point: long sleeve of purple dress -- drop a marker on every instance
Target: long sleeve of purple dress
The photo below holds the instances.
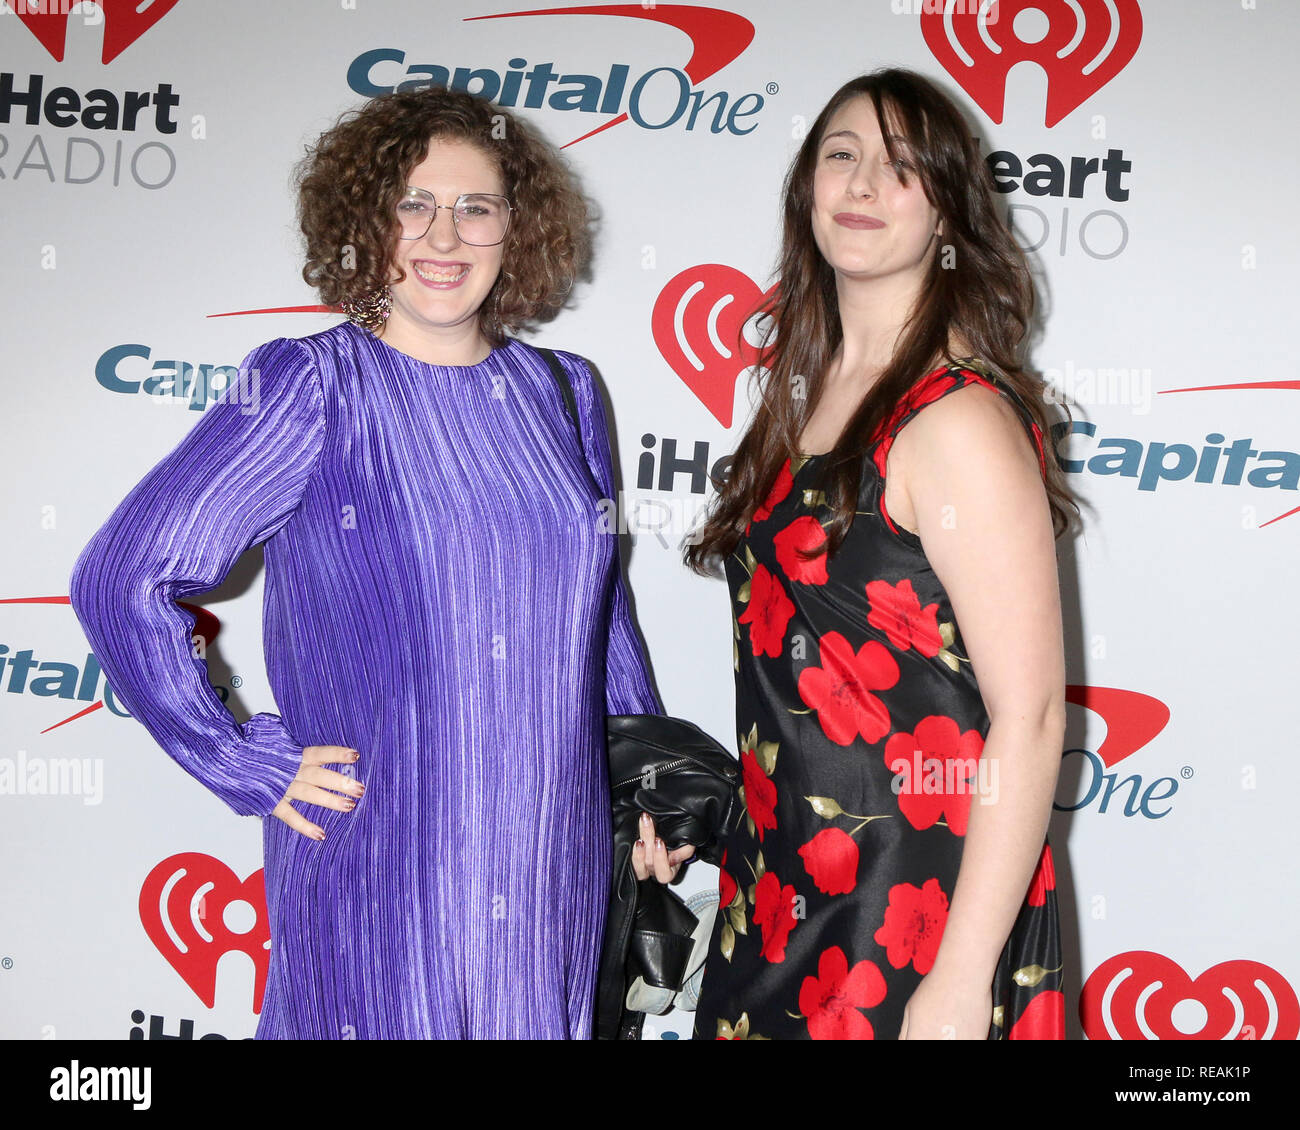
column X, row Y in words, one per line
column 442, row 595
column 231, row 483
column 627, row 679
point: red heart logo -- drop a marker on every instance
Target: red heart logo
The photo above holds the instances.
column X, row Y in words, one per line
column 125, row 21
column 1086, row 44
column 182, row 907
column 1133, row 996
column 698, row 324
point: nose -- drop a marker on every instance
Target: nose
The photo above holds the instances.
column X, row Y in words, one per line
column 442, row 232
column 863, row 180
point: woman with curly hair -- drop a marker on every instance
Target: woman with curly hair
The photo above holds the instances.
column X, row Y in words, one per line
column 445, row 617
column 887, row 531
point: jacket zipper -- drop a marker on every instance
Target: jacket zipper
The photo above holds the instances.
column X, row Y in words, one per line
column 662, row 769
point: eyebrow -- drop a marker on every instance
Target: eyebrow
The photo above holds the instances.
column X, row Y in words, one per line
column 894, row 137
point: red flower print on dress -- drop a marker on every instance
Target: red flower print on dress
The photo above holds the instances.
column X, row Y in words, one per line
column 726, row 885
column 831, row 858
column 760, row 793
column 935, row 767
column 830, row 1001
column 914, row 922
column 1043, row 1018
column 896, row 610
column 1044, row 879
column 774, row 914
column 926, row 391
column 804, row 533
column 840, row 689
column 781, row 486
column 768, row 614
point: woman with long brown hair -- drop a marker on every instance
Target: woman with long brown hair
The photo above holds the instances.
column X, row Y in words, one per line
column 887, row 529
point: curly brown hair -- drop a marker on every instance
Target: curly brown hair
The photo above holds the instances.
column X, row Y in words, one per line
column 350, row 180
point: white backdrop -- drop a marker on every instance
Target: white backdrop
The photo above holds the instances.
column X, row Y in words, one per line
column 1168, row 285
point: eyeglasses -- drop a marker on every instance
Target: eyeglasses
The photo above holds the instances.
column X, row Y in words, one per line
column 480, row 218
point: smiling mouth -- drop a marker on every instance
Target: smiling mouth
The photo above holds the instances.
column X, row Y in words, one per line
column 858, row 220
column 441, row 274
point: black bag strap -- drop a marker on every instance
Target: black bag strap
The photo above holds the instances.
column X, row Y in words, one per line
column 566, row 386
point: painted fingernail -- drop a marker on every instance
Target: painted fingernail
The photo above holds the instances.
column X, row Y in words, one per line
column 640, row 844
column 659, row 844
column 351, row 804
column 319, row 834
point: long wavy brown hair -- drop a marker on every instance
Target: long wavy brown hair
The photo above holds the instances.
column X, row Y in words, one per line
column 977, row 290
column 351, row 178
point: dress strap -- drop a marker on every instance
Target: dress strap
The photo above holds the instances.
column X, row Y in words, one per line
column 958, row 374
column 936, row 385
column 977, row 372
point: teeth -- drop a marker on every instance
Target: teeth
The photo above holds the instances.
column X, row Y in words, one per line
column 442, row 275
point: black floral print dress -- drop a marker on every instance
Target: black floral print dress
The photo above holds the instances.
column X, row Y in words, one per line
column 861, row 728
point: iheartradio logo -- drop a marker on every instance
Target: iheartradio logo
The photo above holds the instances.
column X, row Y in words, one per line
column 704, row 328
column 1146, row 996
column 1080, row 45
column 185, row 904
column 124, row 22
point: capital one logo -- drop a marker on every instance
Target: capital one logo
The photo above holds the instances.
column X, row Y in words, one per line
column 703, row 327
column 1079, row 44
column 22, row 671
column 1143, row 995
column 191, row 906
column 124, row 21
column 1132, row 720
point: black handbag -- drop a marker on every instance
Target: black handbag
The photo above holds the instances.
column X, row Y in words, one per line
column 689, row 784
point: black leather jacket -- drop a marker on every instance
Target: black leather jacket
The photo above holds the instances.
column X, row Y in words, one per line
column 689, row 784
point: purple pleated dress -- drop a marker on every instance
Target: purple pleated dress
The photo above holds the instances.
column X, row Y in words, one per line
column 442, row 593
